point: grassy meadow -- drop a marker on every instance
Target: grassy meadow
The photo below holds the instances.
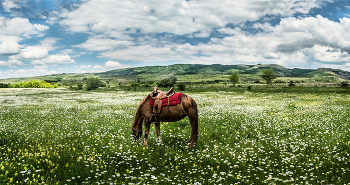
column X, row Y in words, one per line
column 58, row 136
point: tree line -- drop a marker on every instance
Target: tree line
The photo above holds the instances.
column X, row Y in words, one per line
column 29, row 84
column 268, row 76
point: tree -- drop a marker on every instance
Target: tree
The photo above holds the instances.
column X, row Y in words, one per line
column 344, row 84
column 92, row 83
column 80, row 85
column 173, row 79
column 166, row 82
column 268, row 75
column 181, row 86
column 234, row 79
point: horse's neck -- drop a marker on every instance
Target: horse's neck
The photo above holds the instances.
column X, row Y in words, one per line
column 138, row 115
column 138, row 118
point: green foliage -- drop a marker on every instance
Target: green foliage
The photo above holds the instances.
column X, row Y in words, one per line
column 80, row 85
column 234, row 78
column 167, row 82
column 291, row 84
column 33, row 84
column 181, row 86
column 279, row 81
column 3, row 85
column 344, row 84
column 268, row 75
column 92, row 83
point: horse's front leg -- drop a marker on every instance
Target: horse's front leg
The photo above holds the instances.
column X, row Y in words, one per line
column 157, row 125
column 147, row 126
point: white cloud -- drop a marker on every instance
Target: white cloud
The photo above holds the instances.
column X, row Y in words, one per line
column 54, row 60
column 293, row 42
column 115, row 64
column 101, row 44
column 98, row 67
column 36, row 52
column 20, row 27
column 49, row 43
column 329, row 54
column 229, row 31
column 178, row 17
column 9, row 47
column 8, row 5
column 33, row 52
column 35, row 71
column 11, row 63
column 85, row 66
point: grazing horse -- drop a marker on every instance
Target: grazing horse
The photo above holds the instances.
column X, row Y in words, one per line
column 170, row 113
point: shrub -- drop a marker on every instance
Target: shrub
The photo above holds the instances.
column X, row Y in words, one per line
column 344, row 84
column 166, row 82
column 2, row 85
column 279, row 81
column 92, row 83
column 181, row 86
column 80, row 86
column 291, row 84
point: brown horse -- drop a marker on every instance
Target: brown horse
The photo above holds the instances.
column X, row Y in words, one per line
column 187, row 107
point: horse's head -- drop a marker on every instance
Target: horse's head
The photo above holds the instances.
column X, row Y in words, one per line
column 136, row 133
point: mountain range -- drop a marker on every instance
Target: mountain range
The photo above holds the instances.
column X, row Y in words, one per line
column 198, row 73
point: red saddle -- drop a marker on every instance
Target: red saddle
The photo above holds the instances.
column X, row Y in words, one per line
column 174, row 100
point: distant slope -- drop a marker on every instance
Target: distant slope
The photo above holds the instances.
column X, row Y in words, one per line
column 195, row 73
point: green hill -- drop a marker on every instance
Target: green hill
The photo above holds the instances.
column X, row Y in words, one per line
column 198, row 73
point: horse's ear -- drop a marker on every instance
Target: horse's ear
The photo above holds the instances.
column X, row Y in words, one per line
column 132, row 122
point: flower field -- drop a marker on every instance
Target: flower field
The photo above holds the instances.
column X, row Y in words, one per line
column 57, row 136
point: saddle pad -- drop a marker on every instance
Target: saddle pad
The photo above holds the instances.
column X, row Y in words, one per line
column 174, row 100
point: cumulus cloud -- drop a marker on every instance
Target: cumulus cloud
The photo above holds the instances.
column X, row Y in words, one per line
column 35, row 71
column 14, row 30
column 98, row 67
column 178, row 17
column 11, row 63
column 54, row 60
column 9, row 47
column 34, row 52
column 8, row 5
column 101, row 44
column 20, row 27
column 115, row 64
column 293, row 42
column 85, row 66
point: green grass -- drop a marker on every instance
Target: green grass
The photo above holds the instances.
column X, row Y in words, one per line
column 57, row 136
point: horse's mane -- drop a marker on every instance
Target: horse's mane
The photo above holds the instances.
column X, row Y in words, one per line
column 142, row 102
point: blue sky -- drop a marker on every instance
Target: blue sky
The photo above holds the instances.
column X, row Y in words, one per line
column 42, row 37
